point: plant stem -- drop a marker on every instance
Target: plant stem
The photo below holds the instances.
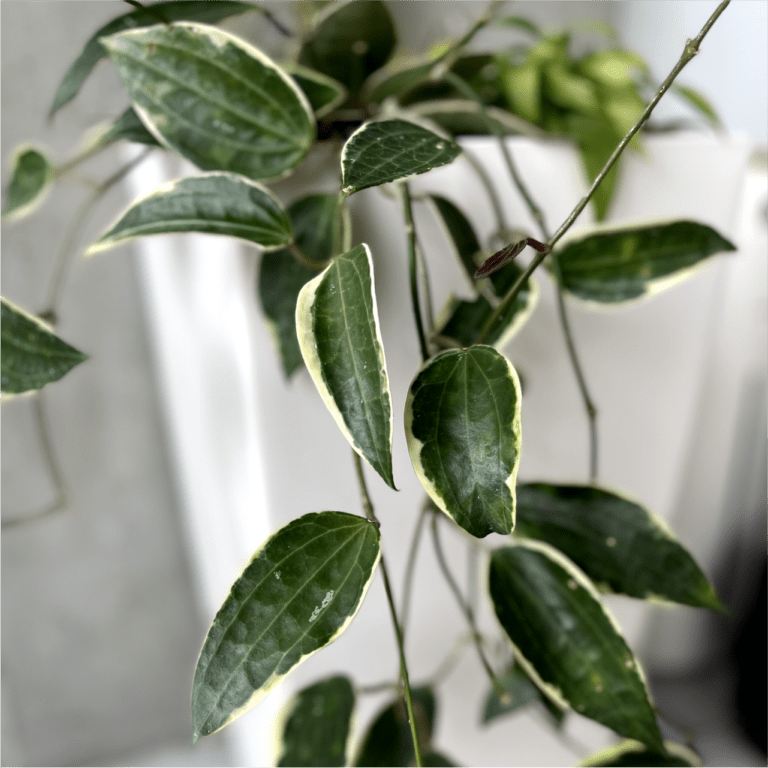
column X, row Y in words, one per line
column 493, row 195
column 412, row 259
column 409, row 569
column 301, row 258
column 371, row 515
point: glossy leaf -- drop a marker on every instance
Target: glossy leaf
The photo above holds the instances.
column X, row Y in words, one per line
column 616, row 542
column 698, row 102
column 632, row 753
column 350, row 41
column 175, row 10
column 300, row 591
column 388, row 741
column 323, row 93
column 338, row 329
column 128, row 127
column 317, row 727
column 32, row 356
column 566, row 640
column 388, row 150
column 621, row 264
column 214, row 99
column 281, row 277
column 462, row 425
column 30, row 179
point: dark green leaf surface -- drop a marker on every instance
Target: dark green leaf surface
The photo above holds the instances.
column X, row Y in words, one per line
column 522, row 692
column 621, row 264
column 698, row 102
column 338, row 329
column 323, row 93
column 214, row 99
column 615, row 541
column 388, row 741
column 633, row 753
column 388, row 150
column 435, row 760
column 281, row 277
column 30, row 177
column 566, row 640
column 462, row 425
column 460, row 231
column 350, row 41
column 298, row 594
column 128, row 127
column 32, row 356
column 317, row 727
column 213, row 203
column 175, row 10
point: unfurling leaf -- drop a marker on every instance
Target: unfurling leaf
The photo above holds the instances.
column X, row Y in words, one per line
column 298, row 594
column 566, row 640
column 462, row 425
column 388, row 150
column 30, row 180
column 213, row 98
column 32, row 356
column 338, row 329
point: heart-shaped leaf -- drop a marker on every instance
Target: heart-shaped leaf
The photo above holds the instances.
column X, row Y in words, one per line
column 209, row 11
column 214, row 203
column 30, row 181
column 632, row 753
column 214, row 99
column 566, row 640
column 615, row 541
column 32, row 356
column 388, row 150
column 338, row 329
column 298, row 594
column 462, row 425
column 616, row 265
column 317, row 726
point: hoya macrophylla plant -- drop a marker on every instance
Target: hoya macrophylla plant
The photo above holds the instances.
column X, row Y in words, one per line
column 30, row 181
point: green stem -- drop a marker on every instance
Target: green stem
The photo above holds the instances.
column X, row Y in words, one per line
column 412, row 263
column 371, row 515
column 447, row 58
column 493, row 195
column 410, row 567
column 301, row 258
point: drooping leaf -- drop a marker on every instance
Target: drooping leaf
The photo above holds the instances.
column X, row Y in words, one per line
column 388, row 741
column 317, row 728
column 570, row 90
column 632, row 753
column 387, row 150
column 698, row 102
column 614, row 68
column 521, row 86
column 338, row 329
column 566, row 640
column 175, row 10
column 214, row 99
column 518, row 22
column 615, row 541
column 350, row 41
column 521, row 691
column 462, row 425
column 621, row 264
column 128, row 127
column 32, row 356
column 281, row 277
column 460, row 232
column 30, row 180
column 214, row 203
column 323, row 93
column 300, row 591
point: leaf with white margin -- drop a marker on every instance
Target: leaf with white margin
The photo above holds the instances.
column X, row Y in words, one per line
column 618, row 264
column 212, row 203
column 618, row 543
column 338, row 328
column 299, row 592
column 30, row 181
column 566, row 640
column 318, row 724
column 382, row 151
column 633, row 753
column 128, row 127
column 462, row 426
column 216, row 100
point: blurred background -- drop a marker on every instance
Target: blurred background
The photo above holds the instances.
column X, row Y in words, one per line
column 180, row 449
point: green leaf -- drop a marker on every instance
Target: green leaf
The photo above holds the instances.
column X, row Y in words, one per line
column 350, row 41
column 698, row 102
column 521, row 692
column 128, row 127
column 623, row 110
column 317, row 727
column 388, row 741
column 281, row 277
column 388, row 150
column 214, row 99
column 522, row 88
column 566, row 640
column 615, row 541
column 300, row 591
column 323, row 93
column 175, row 10
column 338, row 329
column 462, row 425
column 569, row 90
column 519, row 22
column 616, row 265
column 633, row 753
column 32, row 356
column 214, row 203
column 30, row 181
column 461, row 117
column 460, row 232
column 614, row 69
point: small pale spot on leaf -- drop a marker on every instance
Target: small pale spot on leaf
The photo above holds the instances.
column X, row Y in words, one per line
column 610, row 541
